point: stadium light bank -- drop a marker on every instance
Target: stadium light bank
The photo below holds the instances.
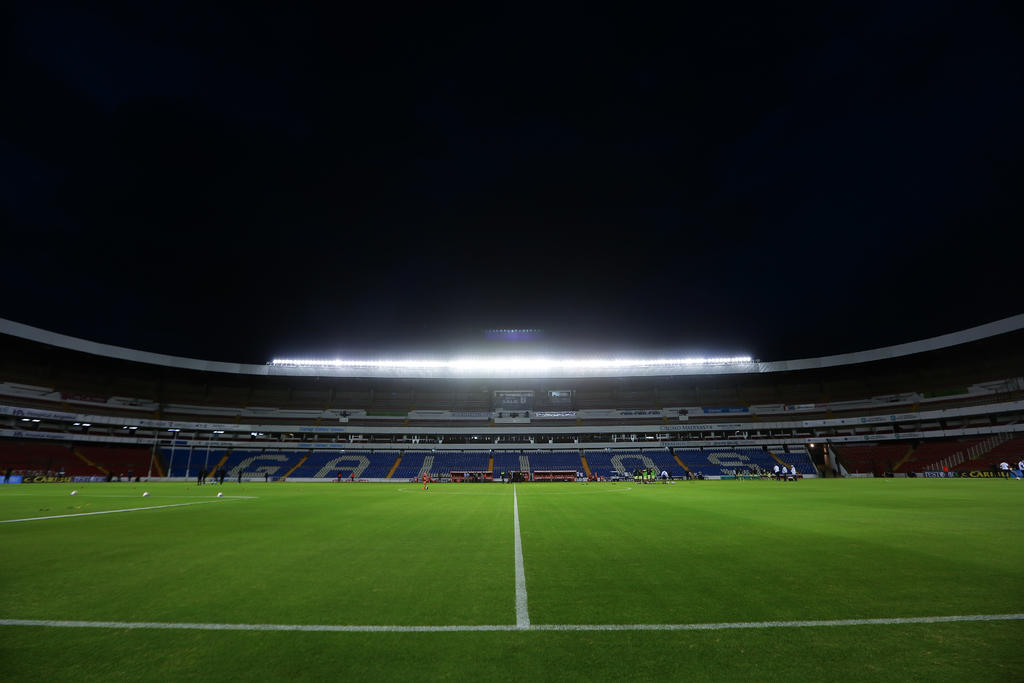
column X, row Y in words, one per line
column 517, row 366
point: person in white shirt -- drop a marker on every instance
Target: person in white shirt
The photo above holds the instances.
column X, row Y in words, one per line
column 792, row 470
column 776, row 471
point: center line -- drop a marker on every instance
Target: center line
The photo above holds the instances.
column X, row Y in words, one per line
column 522, row 612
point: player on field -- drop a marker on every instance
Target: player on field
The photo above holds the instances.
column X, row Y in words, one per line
column 426, row 480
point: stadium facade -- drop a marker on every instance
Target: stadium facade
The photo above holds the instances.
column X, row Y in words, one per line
column 72, row 406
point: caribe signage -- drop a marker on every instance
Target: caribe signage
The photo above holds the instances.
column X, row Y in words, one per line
column 979, row 474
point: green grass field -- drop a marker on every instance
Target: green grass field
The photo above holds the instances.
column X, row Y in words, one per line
column 600, row 555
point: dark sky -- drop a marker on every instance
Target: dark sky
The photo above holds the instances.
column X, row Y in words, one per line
column 239, row 185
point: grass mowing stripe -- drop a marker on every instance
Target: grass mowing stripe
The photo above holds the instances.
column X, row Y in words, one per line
column 509, row 627
column 104, row 512
column 522, row 610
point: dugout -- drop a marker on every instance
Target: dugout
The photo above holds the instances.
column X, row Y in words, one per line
column 554, row 475
column 460, row 477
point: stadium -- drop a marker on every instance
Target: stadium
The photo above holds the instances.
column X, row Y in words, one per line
column 514, row 519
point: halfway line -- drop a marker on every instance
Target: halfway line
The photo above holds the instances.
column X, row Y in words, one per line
column 522, row 612
column 505, row 627
column 104, row 512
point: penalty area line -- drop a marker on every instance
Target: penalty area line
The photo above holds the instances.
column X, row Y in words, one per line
column 508, row 627
column 106, row 512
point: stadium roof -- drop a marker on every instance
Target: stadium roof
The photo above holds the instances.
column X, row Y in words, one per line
column 511, row 368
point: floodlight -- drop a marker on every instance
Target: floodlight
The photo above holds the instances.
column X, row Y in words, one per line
column 517, row 365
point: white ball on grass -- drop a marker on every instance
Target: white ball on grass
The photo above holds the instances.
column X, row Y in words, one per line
column 220, row 494
column 145, row 494
column 75, row 492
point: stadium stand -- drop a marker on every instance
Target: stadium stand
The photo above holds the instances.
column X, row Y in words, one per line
column 1011, row 452
column 510, row 461
column 185, row 463
column 747, row 459
column 929, row 453
column 697, row 462
column 44, row 459
column 446, row 462
column 101, row 414
column 261, row 464
column 793, row 456
column 609, row 464
column 874, row 459
column 665, row 461
column 555, row 461
column 356, row 464
column 118, row 460
column 413, row 465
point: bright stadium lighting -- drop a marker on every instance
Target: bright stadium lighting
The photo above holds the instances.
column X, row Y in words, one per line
column 517, row 365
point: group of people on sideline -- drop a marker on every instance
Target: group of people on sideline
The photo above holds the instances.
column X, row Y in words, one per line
column 784, row 473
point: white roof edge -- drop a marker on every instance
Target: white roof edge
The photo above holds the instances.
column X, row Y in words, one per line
column 16, row 329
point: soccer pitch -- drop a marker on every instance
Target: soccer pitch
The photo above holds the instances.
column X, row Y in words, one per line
column 725, row 580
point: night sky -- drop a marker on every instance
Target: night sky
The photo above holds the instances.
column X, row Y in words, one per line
column 241, row 184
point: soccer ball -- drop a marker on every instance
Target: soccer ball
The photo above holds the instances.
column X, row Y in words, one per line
column 220, row 494
column 145, row 494
column 75, row 492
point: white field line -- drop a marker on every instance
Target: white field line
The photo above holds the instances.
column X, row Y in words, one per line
column 105, row 512
column 482, row 491
column 90, row 496
column 508, row 627
column 522, row 611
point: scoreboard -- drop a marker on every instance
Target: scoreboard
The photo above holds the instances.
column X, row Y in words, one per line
column 513, row 401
